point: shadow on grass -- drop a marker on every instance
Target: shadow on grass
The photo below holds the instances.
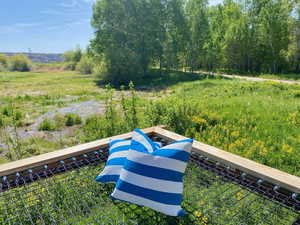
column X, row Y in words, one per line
column 158, row 80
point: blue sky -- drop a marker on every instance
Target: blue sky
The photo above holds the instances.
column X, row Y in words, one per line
column 46, row 26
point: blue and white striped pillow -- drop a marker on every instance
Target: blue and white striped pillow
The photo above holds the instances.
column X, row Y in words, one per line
column 154, row 179
column 118, row 152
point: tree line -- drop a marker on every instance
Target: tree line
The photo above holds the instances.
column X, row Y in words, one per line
column 253, row 36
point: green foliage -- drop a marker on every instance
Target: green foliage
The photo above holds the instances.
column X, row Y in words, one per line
column 47, row 125
column 297, row 93
column 128, row 37
column 85, row 65
column 3, row 62
column 1, row 121
column 237, row 116
column 242, row 36
column 72, row 58
column 73, row 55
column 19, row 63
column 69, row 66
column 59, row 122
column 7, row 111
column 72, row 119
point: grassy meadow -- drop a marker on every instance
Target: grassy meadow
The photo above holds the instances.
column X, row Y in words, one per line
column 259, row 121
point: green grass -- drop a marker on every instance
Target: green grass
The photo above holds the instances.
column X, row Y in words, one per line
column 259, row 121
column 295, row 77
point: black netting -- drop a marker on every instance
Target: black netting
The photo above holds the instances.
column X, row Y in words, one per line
column 66, row 193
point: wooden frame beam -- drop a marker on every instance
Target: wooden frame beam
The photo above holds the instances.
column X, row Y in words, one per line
column 266, row 173
column 51, row 157
column 250, row 167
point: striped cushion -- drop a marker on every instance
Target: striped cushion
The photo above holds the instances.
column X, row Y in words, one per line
column 117, row 155
column 154, row 179
column 118, row 152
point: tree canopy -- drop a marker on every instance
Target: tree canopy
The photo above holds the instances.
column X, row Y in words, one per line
column 240, row 35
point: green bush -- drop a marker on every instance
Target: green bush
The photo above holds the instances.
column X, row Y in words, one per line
column 69, row 66
column 297, row 93
column 72, row 119
column 7, row 111
column 18, row 115
column 3, row 62
column 59, row 121
column 85, row 65
column 73, row 55
column 19, row 63
column 47, row 125
column 1, row 121
column 71, row 58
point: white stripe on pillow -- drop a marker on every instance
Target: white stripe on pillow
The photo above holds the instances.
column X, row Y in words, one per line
column 157, row 161
column 119, row 143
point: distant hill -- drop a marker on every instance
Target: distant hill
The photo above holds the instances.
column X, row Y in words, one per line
column 39, row 57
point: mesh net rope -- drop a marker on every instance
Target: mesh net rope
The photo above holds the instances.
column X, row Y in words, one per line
column 68, row 194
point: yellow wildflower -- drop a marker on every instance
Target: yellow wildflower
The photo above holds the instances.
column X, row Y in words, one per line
column 197, row 214
column 287, row 148
column 239, row 196
column 235, row 134
column 264, row 151
column 204, row 219
column 202, row 202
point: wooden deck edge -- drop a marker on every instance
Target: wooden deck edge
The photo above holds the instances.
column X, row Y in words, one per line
column 51, row 157
column 266, row 173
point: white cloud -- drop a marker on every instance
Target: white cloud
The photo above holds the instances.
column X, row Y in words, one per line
column 17, row 27
column 69, row 3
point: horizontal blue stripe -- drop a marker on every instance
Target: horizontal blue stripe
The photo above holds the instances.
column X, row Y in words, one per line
column 173, row 154
column 157, row 196
column 138, row 146
column 154, row 172
column 116, row 161
column 186, row 140
column 116, row 141
column 119, row 149
column 107, row 178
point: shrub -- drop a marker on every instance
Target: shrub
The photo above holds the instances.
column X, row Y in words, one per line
column 72, row 119
column 59, row 121
column 47, row 125
column 297, row 94
column 7, row 111
column 18, row 115
column 19, row 63
column 85, row 65
column 73, row 55
column 1, row 121
column 2, row 68
column 3, row 62
column 69, row 66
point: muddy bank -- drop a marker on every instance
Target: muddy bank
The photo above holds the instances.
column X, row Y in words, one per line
column 83, row 109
